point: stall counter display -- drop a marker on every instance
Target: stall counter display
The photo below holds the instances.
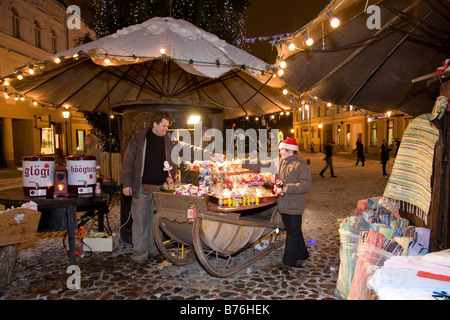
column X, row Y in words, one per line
column 229, row 186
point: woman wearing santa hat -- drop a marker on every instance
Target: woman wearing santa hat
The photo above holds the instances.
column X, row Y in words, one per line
column 294, row 173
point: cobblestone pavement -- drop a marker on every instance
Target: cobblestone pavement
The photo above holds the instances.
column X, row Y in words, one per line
column 41, row 269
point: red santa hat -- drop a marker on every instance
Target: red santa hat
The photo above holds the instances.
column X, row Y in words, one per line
column 289, row 144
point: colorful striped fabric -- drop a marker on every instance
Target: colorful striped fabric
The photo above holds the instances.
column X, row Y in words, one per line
column 410, row 179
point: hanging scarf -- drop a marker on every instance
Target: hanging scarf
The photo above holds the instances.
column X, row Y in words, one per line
column 410, row 181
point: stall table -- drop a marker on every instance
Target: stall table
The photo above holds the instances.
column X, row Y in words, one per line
column 62, row 207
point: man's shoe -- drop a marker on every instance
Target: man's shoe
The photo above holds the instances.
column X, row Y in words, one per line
column 137, row 265
column 321, row 174
column 333, row 176
column 158, row 257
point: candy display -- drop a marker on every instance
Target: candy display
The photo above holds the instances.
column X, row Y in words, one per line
column 240, row 195
column 228, row 184
column 192, row 190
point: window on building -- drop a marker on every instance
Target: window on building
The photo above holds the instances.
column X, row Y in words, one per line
column 373, row 134
column 54, row 42
column 305, row 112
column 15, row 23
column 347, row 134
column 48, row 140
column 37, row 34
column 391, row 132
column 338, row 134
column 81, row 135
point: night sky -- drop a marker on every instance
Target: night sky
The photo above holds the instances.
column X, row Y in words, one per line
column 264, row 18
column 275, row 17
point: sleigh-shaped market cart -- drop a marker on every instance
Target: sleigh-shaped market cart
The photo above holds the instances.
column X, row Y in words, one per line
column 225, row 240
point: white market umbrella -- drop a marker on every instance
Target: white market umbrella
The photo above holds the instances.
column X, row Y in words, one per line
column 195, row 67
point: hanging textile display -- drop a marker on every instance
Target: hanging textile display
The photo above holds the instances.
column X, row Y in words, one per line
column 410, row 181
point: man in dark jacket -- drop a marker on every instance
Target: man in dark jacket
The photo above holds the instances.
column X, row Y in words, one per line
column 143, row 173
column 328, row 159
column 359, row 152
column 384, row 150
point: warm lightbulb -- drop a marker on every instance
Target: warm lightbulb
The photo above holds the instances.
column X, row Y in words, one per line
column 292, row 47
column 334, row 22
column 285, row 91
column 107, row 61
column 31, row 71
column 57, row 60
column 280, row 72
column 60, row 187
column 194, row 119
column 309, row 42
column 283, row 64
column 20, row 77
column 162, row 51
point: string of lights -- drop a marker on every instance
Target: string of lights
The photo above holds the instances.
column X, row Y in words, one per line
column 36, row 68
column 275, row 71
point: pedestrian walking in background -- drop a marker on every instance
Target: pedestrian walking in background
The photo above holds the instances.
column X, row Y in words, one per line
column 397, row 145
column 91, row 149
column 328, row 159
column 384, row 155
column 294, row 173
column 360, row 152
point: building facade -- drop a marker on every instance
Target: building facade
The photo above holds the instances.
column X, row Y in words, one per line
column 315, row 123
column 31, row 30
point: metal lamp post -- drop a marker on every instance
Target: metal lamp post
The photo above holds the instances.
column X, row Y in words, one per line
column 66, row 115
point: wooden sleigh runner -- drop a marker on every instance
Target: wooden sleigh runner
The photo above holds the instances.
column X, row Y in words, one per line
column 224, row 243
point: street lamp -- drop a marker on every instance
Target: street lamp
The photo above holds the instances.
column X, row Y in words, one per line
column 388, row 115
column 66, row 115
column 320, row 136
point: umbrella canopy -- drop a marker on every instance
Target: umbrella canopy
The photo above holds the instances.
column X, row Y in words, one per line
column 371, row 59
column 160, row 59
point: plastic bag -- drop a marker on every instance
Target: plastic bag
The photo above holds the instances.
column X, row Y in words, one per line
column 347, row 254
column 370, row 258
